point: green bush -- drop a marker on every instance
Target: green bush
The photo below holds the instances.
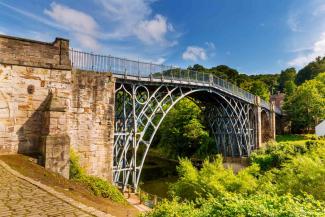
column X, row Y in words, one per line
column 310, row 137
column 102, row 188
column 212, row 179
column 291, row 182
column 274, row 155
column 304, row 174
column 97, row 186
column 238, row 205
column 75, row 170
column 172, row 208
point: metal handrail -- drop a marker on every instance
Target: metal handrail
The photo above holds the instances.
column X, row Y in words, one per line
column 119, row 66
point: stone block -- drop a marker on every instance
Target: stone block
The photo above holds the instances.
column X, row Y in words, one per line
column 57, row 148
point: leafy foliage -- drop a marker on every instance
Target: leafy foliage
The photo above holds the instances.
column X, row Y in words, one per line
column 102, row 188
column 238, row 205
column 259, row 88
column 287, row 76
column 183, row 133
column 311, row 70
column 290, row 183
column 306, row 106
column 96, row 185
column 212, row 179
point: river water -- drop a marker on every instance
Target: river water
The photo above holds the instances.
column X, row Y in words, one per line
column 157, row 174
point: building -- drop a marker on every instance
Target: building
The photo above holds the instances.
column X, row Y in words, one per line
column 320, row 129
column 277, row 99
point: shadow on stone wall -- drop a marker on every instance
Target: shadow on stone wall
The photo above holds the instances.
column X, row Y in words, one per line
column 33, row 130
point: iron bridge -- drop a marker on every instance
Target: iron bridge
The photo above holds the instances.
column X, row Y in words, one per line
column 146, row 92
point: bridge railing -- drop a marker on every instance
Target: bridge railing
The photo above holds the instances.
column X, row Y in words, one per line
column 126, row 67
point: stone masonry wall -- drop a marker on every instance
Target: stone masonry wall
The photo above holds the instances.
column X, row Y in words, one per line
column 46, row 107
column 24, row 93
column 91, row 127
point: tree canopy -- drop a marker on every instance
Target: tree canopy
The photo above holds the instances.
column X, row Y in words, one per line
column 287, row 76
column 306, row 106
column 311, row 70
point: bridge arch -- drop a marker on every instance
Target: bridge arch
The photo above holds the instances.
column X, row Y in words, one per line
column 266, row 130
column 140, row 110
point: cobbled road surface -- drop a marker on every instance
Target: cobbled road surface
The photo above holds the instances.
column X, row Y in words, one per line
column 20, row 198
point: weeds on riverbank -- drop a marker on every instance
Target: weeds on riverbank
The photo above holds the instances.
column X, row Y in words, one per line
column 284, row 179
column 98, row 186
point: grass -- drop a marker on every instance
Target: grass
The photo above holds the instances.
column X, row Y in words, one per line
column 97, row 186
column 296, row 139
column 289, row 138
column 71, row 188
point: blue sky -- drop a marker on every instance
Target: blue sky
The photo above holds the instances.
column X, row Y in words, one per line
column 253, row 36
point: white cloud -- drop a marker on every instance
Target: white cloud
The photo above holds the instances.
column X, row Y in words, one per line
column 30, row 15
column 133, row 18
column 160, row 60
column 128, row 13
column 293, row 22
column 210, row 45
column 81, row 25
column 320, row 9
column 318, row 49
column 308, row 39
column 124, row 27
column 68, row 17
column 152, row 31
column 194, row 53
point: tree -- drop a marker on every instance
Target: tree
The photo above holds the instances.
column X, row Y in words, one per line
column 286, row 76
column 270, row 80
column 183, row 133
column 225, row 72
column 259, row 88
column 311, row 70
column 289, row 88
column 306, row 106
column 197, row 67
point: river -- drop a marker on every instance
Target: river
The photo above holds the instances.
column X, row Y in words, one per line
column 157, row 174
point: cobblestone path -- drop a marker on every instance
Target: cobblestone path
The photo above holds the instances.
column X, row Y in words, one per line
column 20, row 198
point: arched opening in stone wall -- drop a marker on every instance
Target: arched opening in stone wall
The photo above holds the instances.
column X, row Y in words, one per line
column 266, row 126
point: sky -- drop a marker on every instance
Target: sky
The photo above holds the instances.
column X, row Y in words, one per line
column 252, row 36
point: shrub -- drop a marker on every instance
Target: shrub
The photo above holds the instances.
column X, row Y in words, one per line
column 102, row 188
column 291, row 182
column 212, row 179
column 172, row 208
column 310, row 137
column 238, row 205
column 274, row 155
column 75, row 170
column 97, row 186
column 304, row 174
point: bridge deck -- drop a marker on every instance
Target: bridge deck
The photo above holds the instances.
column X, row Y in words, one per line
column 154, row 73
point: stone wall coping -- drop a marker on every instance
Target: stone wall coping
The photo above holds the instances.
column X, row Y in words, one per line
column 33, row 41
column 59, row 195
column 21, row 52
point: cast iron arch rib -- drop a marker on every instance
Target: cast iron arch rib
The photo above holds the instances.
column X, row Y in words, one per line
column 140, row 113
